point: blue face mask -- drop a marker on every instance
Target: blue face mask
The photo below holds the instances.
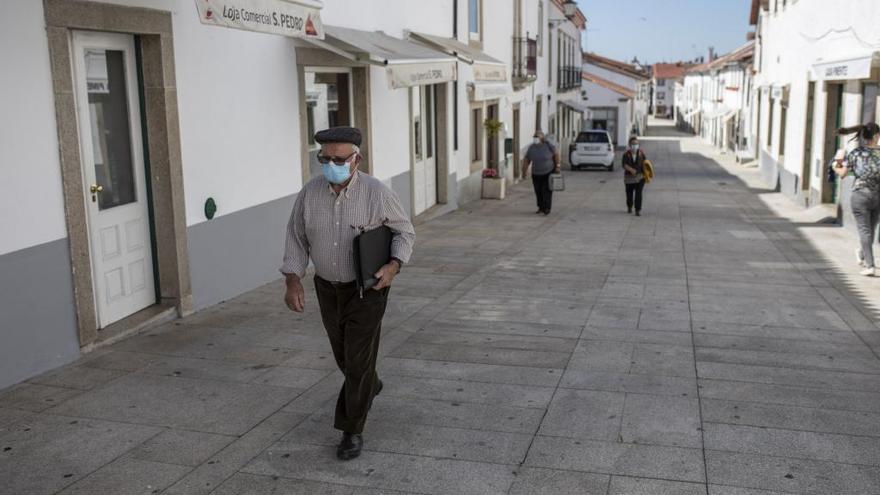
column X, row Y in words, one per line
column 337, row 173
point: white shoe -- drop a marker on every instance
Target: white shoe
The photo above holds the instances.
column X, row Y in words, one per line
column 860, row 259
column 868, row 272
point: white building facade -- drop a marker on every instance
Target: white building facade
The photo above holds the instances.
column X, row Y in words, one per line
column 715, row 101
column 172, row 147
column 817, row 70
column 613, row 88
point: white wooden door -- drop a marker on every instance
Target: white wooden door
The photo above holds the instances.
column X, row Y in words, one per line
column 424, row 146
column 114, row 181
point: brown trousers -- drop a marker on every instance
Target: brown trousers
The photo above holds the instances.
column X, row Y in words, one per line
column 353, row 325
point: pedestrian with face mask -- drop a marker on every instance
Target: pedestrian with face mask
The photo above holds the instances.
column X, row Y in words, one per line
column 544, row 161
column 864, row 163
column 328, row 213
column 634, row 175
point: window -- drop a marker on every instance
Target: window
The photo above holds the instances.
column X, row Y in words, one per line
column 870, row 92
column 474, row 7
column 783, row 113
column 455, row 115
column 661, row 95
column 592, row 137
column 476, row 134
column 538, row 102
column 770, row 125
column 661, row 83
column 541, row 28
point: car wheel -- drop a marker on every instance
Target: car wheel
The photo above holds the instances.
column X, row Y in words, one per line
column 610, row 168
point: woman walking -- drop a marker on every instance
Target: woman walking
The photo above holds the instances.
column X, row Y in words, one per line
column 543, row 160
column 634, row 176
column 864, row 163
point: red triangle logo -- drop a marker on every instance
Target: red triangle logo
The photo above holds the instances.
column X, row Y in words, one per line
column 310, row 27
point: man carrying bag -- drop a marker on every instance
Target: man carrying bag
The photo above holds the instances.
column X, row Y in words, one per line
column 329, row 213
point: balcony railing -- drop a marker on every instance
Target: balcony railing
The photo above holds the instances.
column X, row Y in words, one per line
column 569, row 77
column 525, row 60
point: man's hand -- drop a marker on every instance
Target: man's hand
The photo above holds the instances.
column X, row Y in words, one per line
column 386, row 275
column 295, row 297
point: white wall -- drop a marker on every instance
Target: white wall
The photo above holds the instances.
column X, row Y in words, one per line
column 394, row 16
column 31, row 205
column 792, row 40
column 390, row 127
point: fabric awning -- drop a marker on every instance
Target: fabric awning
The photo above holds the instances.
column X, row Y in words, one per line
column 576, row 106
column 294, row 18
column 729, row 115
column 486, row 68
column 858, row 67
column 718, row 112
column 407, row 63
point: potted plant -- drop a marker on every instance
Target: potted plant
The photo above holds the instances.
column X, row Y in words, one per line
column 493, row 184
column 493, row 126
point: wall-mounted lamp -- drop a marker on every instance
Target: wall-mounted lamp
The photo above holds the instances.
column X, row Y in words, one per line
column 570, row 8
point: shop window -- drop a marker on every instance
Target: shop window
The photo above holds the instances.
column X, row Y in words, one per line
column 476, row 134
column 870, row 92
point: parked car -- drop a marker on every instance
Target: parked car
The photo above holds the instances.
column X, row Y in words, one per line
column 592, row 149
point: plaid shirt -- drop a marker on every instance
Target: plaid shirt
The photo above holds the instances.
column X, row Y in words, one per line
column 323, row 225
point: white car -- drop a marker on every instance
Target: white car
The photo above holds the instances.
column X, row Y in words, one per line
column 592, row 149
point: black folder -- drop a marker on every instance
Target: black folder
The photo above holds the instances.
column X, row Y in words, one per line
column 372, row 251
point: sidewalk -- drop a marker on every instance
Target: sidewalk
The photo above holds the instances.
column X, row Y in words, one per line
column 718, row 343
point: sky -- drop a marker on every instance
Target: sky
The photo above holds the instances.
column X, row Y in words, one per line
column 664, row 30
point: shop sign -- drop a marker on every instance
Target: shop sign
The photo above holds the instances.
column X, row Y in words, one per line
column 856, row 68
column 287, row 18
column 490, row 72
column 406, row 75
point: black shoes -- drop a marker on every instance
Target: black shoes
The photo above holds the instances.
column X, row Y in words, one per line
column 629, row 211
column 539, row 211
column 379, row 388
column 350, row 446
column 638, row 213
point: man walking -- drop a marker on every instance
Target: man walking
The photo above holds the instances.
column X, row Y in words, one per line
column 544, row 160
column 327, row 215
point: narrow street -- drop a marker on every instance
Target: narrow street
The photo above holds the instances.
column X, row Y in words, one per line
column 705, row 347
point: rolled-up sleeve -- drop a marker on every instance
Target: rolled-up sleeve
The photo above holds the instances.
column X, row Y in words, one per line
column 296, row 245
column 398, row 221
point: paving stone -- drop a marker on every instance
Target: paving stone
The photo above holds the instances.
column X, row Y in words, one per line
column 205, row 478
column 465, row 391
column 298, row 378
column 118, row 360
column 455, row 414
column 424, row 440
column 311, row 360
column 637, row 336
column 791, row 396
column 490, row 340
column 187, row 448
column 383, row 470
column 621, row 485
column 671, row 463
column 845, row 449
column 34, row 397
column 477, row 372
column 201, row 405
column 584, row 414
column 47, row 453
column 790, row 475
column 252, row 484
column 128, row 476
column 791, row 417
column 537, row 481
column 77, row 377
column 735, row 490
column 835, row 380
column 205, row 369
column 791, row 360
column 469, row 354
column 661, row 420
column 755, row 343
column 444, row 323
column 625, row 382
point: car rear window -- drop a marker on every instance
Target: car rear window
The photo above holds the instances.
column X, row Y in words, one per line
column 592, row 137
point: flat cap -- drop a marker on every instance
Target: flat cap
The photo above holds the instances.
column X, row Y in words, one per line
column 339, row 135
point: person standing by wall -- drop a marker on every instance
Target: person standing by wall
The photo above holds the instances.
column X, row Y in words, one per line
column 543, row 159
column 634, row 175
column 864, row 163
column 327, row 215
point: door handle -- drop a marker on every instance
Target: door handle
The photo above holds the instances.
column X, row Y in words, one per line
column 95, row 188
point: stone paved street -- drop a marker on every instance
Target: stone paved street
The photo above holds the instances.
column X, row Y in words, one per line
column 707, row 347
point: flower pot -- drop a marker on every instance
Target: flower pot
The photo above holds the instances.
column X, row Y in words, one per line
column 494, row 188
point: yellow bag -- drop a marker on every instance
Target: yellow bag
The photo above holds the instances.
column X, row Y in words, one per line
column 649, row 171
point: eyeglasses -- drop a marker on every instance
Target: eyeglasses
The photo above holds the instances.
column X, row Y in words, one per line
column 323, row 160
